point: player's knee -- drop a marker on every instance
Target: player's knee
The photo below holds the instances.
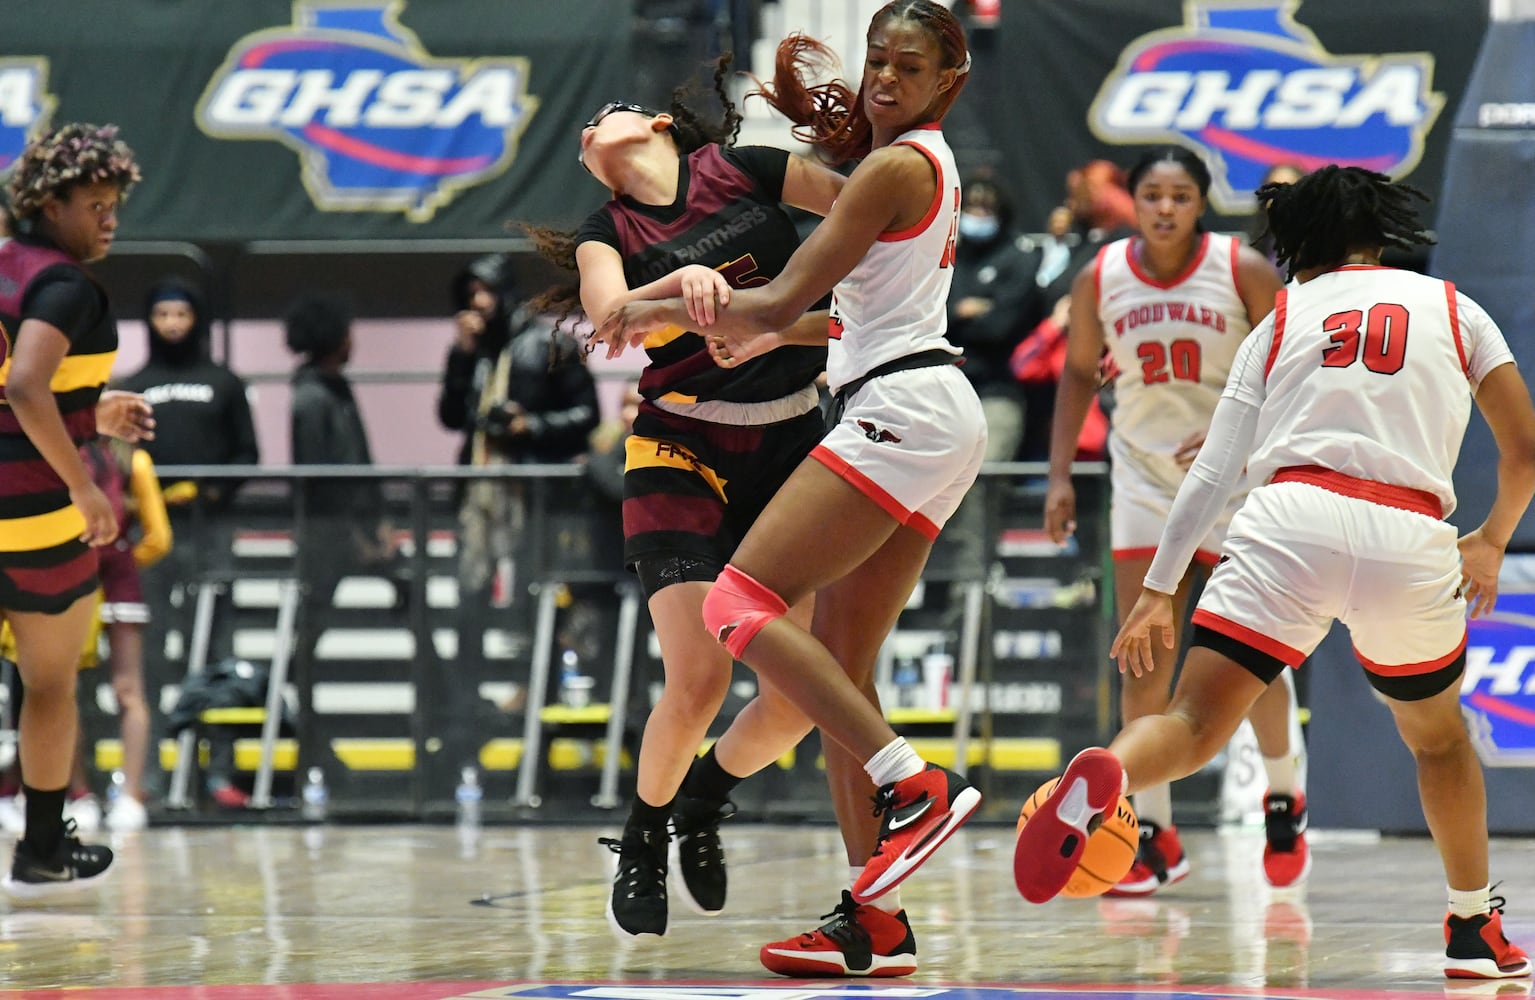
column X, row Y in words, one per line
column 737, row 608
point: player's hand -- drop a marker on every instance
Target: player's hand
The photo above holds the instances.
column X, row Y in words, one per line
column 1188, row 450
column 125, row 415
column 704, row 290
column 1060, row 510
column 100, row 520
column 1132, row 646
column 630, row 323
column 1480, row 561
column 729, row 350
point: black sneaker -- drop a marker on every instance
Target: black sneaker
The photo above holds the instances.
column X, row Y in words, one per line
column 72, row 866
column 637, row 905
column 700, row 857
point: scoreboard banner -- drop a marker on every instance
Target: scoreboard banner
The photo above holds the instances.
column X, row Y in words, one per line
column 319, row 119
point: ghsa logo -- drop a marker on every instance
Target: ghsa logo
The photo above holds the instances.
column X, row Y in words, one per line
column 1249, row 88
column 379, row 125
column 24, row 102
column 1497, row 693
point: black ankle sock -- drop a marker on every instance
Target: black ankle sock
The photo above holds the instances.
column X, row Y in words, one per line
column 45, row 820
column 644, row 816
column 708, row 781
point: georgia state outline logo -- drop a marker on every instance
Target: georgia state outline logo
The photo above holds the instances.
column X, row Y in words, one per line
column 378, row 123
column 1243, row 84
column 24, row 103
column 1497, row 692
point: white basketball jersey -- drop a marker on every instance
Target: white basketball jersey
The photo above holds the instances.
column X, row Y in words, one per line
column 1368, row 371
column 1172, row 342
column 895, row 301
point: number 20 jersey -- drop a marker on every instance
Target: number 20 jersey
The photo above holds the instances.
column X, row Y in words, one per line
column 1171, row 342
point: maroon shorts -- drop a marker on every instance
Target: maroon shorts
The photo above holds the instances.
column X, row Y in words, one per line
column 122, row 591
column 47, row 581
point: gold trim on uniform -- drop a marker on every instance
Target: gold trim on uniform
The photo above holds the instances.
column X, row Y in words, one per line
column 75, row 371
column 651, row 453
column 41, row 531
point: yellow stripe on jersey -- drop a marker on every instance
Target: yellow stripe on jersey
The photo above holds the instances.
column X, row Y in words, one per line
column 652, row 453
column 41, row 531
column 663, row 336
column 79, row 371
column 679, row 397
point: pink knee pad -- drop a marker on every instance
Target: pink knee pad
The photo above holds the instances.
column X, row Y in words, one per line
column 738, row 607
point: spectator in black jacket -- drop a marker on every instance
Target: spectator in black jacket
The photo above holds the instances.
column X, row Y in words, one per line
column 344, row 530
column 993, row 304
column 521, row 393
column 204, row 419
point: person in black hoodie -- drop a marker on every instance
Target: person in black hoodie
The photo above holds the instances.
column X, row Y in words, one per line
column 205, row 419
column 344, row 530
column 521, row 393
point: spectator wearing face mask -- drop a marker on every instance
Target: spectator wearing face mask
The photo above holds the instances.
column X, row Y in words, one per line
column 993, row 304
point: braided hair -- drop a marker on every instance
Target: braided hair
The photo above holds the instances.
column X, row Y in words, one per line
column 1319, row 219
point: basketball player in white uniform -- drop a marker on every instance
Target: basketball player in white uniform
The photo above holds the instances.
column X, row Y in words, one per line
column 1171, row 305
column 854, row 523
column 1347, row 408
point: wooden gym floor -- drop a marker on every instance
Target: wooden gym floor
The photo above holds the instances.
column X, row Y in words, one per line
column 428, row 913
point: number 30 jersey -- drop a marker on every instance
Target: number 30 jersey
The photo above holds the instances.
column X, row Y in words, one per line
column 1368, row 371
column 1171, row 342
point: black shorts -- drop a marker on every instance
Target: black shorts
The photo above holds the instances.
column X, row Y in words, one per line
column 693, row 488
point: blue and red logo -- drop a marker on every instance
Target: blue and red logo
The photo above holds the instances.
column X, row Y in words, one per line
column 1248, row 88
column 379, row 125
column 24, row 103
column 1497, row 693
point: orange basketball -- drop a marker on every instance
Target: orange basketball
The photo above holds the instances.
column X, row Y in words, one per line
column 1109, row 853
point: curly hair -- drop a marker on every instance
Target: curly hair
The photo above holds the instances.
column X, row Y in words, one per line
column 1317, row 220
column 64, row 158
column 315, row 325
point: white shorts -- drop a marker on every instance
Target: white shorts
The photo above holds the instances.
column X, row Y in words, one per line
column 913, row 442
column 1140, row 500
column 1299, row 556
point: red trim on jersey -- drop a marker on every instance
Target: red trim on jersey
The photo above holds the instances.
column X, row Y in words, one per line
column 1460, row 344
column 1135, row 267
column 1098, row 278
column 1288, row 655
column 869, row 488
column 1412, row 669
column 1236, row 281
column 1281, row 301
column 1385, row 494
column 1202, row 556
column 932, row 210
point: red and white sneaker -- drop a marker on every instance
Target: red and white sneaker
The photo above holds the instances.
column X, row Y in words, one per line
column 1159, row 862
column 1051, row 843
column 858, row 940
column 919, row 814
column 1286, row 857
column 1475, row 948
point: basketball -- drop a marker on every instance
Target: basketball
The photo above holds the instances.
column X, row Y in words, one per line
column 1109, row 853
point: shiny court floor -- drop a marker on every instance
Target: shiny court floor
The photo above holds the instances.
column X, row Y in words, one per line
column 431, row 913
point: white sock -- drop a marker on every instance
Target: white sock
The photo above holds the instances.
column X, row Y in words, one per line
column 1281, row 774
column 1470, row 902
column 1155, row 804
column 896, row 762
column 890, row 902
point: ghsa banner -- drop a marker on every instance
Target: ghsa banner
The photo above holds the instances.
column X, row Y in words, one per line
column 1247, row 87
column 377, row 122
column 1497, row 693
column 25, row 104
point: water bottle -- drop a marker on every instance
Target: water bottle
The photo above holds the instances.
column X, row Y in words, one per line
column 314, row 799
column 575, row 688
column 115, row 788
column 907, row 682
column 468, row 796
